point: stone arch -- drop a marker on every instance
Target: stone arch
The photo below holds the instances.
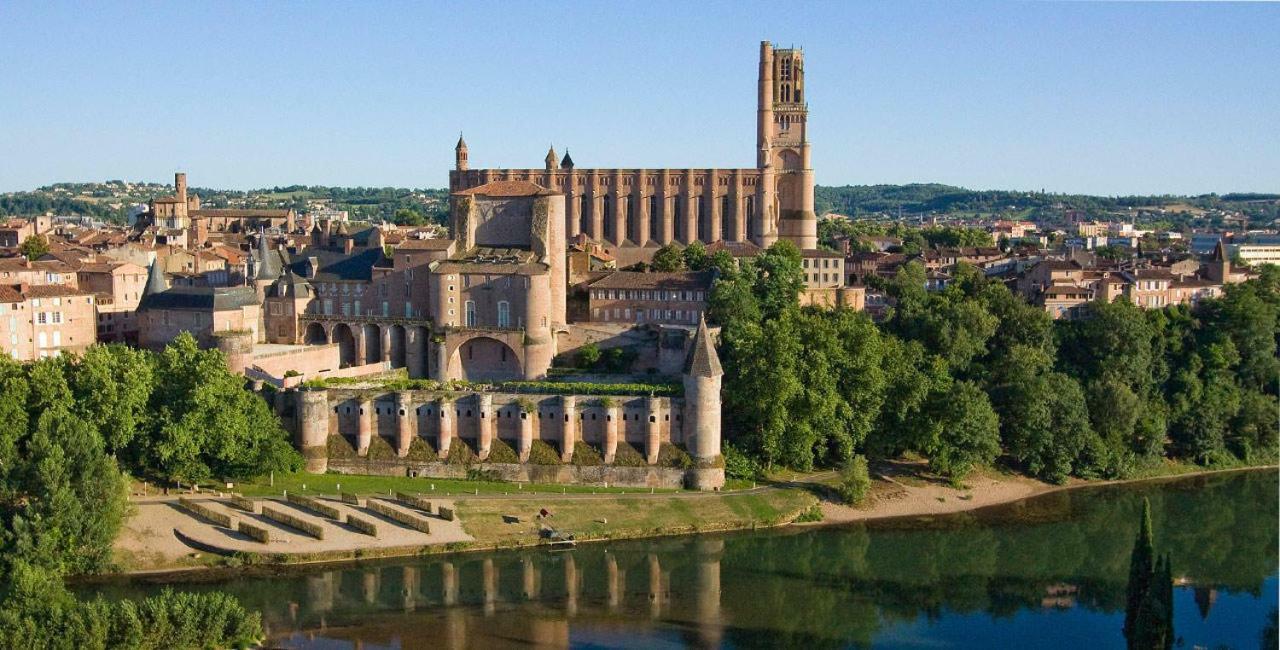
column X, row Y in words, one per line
column 485, row 357
column 315, row 334
column 346, row 341
column 371, row 336
column 398, row 351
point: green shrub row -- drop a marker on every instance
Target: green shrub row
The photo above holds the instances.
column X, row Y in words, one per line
column 315, row 506
column 314, row 530
column 414, row 500
column 244, row 503
column 350, row 498
column 413, row 521
column 363, row 525
column 258, row 533
column 206, row 513
column 446, row 513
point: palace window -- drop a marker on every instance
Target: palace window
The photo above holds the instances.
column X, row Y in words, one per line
column 504, row 313
column 471, row 313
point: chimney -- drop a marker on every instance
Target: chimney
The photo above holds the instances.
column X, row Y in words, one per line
column 348, row 245
column 180, row 186
column 312, row 264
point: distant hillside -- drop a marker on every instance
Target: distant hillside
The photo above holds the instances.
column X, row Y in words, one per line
column 111, row 200
column 923, row 198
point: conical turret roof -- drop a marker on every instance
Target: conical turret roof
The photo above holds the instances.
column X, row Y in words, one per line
column 268, row 264
column 156, row 282
column 462, row 144
column 703, row 360
column 566, row 162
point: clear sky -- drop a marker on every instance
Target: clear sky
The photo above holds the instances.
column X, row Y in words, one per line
column 1073, row 97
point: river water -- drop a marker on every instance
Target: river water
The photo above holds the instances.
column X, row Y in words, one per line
column 1045, row 573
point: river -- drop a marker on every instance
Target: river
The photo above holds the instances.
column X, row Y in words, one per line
column 1048, row 572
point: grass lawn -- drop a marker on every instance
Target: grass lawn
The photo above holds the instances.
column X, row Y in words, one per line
column 611, row 518
column 362, row 484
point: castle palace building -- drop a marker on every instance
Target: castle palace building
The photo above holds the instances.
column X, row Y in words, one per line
column 638, row 210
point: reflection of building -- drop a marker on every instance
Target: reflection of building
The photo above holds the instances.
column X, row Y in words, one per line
column 638, row 210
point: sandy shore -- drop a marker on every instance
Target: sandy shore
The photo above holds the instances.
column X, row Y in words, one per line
column 893, row 496
column 900, row 489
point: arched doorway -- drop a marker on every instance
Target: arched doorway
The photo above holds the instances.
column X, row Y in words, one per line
column 396, row 336
column 346, row 344
column 485, row 359
column 372, row 344
column 315, row 335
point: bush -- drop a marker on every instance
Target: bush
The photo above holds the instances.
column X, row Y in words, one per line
column 854, row 481
column 414, row 501
column 380, row 449
column 628, row 456
column 588, row 355
column 814, row 513
column 585, row 455
column 460, row 453
column 245, row 504
column 670, row 455
column 419, row 450
column 363, row 525
column 413, row 521
column 315, row 506
column 206, row 513
column 486, row 475
column 340, row 447
column 314, row 530
column 257, row 533
column 542, row 453
column 501, row 452
column 739, row 465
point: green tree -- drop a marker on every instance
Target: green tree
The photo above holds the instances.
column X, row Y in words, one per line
column 112, row 385
column 667, row 259
column 34, row 247
column 409, row 217
column 695, row 256
column 855, row 481
column 1148, row 614
column 966, row 431
column 206, row 425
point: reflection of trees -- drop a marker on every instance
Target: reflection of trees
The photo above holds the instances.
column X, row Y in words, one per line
column 832, row 587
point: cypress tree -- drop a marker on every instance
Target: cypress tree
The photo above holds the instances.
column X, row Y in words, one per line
column 1140, row 574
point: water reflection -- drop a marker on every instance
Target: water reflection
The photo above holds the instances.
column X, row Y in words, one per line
column 1052, row 570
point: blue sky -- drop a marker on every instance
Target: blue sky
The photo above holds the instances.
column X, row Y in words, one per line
column 1073, row 97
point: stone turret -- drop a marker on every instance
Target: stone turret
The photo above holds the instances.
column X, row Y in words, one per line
column 460, row 154
column 567, row 161
column 550, row 160
column 313, row 428
column 702, row 373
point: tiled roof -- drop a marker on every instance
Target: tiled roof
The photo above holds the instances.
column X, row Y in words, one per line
column 201, row 298
column 259, row 213
column 507, row 189
column 661, row 281
column 703, row 360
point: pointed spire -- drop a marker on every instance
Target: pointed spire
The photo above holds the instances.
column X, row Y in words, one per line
column 551, row 157
column 566, row 162
column 1220, row 251
column 462, row 144
column 267, row 268
column 155, row 280
column 702, row 360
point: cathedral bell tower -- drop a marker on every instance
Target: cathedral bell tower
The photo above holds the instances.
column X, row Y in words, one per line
column 782, row 150
column 460, row 154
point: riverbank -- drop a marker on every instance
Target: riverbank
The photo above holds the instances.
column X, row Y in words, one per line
column 495, row 521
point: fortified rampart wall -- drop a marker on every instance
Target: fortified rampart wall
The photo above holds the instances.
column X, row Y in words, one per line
column 440, row 420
